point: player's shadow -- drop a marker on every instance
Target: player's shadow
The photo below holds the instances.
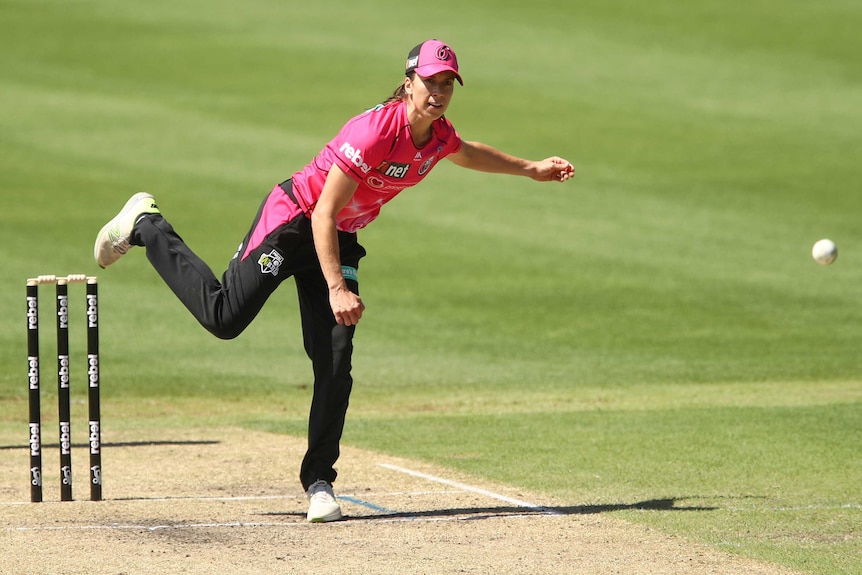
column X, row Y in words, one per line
column 664, row 504
column 474, row 513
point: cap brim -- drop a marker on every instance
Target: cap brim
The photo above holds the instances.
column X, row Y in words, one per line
column 430, row 69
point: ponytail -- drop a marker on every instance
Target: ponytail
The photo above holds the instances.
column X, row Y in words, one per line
column 400, row 93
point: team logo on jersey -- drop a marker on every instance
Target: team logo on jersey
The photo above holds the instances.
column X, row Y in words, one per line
column 270, row 263
column 423, row 169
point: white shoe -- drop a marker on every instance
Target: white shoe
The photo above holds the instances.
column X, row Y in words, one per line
column 322, row 506
column 113, row 239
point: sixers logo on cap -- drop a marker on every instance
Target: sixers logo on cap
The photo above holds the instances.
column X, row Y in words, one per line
column 432, row 57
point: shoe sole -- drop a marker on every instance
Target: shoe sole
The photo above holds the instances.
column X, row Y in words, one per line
column 99, row 238
column 327, row 518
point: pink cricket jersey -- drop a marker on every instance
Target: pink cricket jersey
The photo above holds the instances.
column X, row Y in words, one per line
column 376, row 149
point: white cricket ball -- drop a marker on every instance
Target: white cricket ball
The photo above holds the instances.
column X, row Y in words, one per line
column 824, row 252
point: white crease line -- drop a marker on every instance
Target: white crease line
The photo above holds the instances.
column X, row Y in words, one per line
column 409, row 493
column 213, row 498
column 235, row 525
column 469, row 488
column 159, row 499
column 118, row 527
column 170, row 499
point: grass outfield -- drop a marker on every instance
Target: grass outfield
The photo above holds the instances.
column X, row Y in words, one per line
column 651, row 339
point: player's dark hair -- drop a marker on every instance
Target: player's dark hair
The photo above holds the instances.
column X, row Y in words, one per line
column 400, row 92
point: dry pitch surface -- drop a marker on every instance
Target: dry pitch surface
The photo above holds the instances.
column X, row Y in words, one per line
column 227, row 501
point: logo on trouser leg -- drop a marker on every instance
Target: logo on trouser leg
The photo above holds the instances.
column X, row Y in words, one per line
column 270, row 263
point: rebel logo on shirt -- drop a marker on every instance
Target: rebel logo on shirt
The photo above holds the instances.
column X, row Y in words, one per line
column 354, row 156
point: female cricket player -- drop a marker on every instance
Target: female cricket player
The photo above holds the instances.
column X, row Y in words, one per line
column 306, row 229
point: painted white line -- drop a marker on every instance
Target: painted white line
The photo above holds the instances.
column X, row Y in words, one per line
column 168, row 499
column 214, row 498
column 470, row 488
column 171, row 499
column 253, row 525
column 119, row 527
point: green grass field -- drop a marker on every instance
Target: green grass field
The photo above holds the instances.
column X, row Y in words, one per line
column 651, row 340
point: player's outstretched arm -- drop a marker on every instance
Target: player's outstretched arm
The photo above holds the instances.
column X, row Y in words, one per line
column 485, row 158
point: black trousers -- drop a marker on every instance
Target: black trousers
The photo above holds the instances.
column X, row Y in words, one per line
column 227, row 307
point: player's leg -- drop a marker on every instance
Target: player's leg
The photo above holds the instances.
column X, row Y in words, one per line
column 330, row 347
column 224, row 308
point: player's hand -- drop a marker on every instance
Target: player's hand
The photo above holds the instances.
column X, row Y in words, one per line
column 554, row 169
column 346, row 306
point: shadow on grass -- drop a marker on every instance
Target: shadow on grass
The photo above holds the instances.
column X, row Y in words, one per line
column 666, row 504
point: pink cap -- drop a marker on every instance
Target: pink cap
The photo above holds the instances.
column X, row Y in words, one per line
column 432, row 57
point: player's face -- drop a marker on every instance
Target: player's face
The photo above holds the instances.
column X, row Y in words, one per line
column 432, row 95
